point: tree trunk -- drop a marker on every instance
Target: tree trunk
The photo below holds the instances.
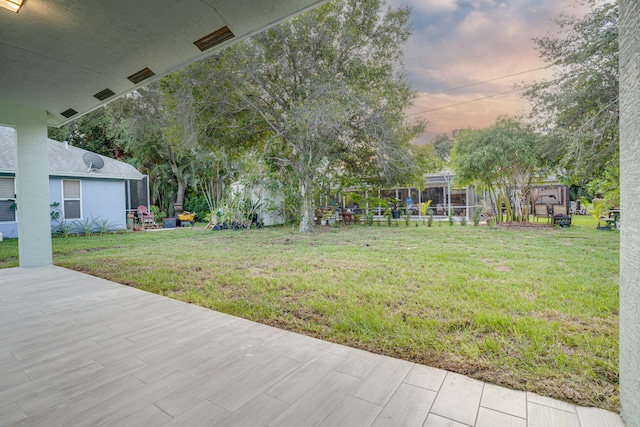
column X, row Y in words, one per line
column 507, row 205
column 179, row 180
column 518, row 212
column 306, row 207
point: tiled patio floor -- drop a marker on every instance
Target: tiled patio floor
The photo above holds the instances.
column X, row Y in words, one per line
column 78, row 350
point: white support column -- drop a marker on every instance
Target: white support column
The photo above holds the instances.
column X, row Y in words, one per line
column 466, row 202
column 366, row 197
column 630, row 206
column 32, row 184
column 449, row 196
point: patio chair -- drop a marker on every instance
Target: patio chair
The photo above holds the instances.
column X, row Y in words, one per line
column 559, row 210
column 541, row 211
column 560, row 217
column 146, row 217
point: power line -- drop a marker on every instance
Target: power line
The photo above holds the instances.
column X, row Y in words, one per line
column 485, row 81
column 490, row 96
column 466, row 102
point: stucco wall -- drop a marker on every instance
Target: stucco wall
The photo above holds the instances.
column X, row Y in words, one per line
column 34, row 248
column 9, row 230
column 630, row 205
column 102, row 199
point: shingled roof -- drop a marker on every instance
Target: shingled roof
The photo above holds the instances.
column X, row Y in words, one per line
column 65, row 160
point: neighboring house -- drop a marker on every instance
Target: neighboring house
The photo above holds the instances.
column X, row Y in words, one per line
column 447, row 198
column 438, row 188
column 83, row 195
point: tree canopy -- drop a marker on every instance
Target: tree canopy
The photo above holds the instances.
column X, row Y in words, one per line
column 503, row 159
column 578, row 108
column 322, row 95
column 329, row 87
column 442, row 144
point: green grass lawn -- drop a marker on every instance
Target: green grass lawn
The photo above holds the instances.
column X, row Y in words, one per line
column 532, row 309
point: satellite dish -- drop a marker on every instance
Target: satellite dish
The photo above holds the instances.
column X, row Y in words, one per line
column 93, row 161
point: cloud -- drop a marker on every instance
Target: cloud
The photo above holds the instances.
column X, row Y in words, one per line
column 459, row 113
column 430, row 6
column 456, row 43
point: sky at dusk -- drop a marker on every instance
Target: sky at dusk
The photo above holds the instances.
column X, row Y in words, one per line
column 462, row 42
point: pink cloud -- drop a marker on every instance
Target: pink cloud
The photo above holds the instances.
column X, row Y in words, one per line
column 456, row 43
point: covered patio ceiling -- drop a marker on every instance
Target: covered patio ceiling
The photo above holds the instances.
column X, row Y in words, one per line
column 70, row 57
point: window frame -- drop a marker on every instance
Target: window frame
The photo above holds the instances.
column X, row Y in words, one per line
column 10, row 199
column 71, row 199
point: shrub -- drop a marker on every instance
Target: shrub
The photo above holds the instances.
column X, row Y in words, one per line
column 476, row 216
column 197, row 205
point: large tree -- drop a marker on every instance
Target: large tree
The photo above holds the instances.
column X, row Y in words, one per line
column 320, row 95
column 206, row 117
column 330, row 89
column 90, row 132
column 442, row 144
column 503, row 159
column 578, row 108
column 143, row 127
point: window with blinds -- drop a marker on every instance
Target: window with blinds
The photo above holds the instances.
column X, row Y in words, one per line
column 7, row 199
column 71, row 198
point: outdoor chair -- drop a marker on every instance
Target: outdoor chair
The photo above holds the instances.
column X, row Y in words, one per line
column 559, row 210
column 541, row 211
column 146, row 217
column 560, row 217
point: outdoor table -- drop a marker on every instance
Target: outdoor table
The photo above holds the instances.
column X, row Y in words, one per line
column 613, row 218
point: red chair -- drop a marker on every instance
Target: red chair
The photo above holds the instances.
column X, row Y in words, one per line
column 146, row 217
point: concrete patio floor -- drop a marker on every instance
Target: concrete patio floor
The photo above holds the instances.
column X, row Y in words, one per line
column 79, row 350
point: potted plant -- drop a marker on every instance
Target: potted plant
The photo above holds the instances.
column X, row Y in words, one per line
column 395, row 208
column 325, row 217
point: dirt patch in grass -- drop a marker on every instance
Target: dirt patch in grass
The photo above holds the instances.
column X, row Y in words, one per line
column 524, row 226
column 88, row 250
column 496, row 264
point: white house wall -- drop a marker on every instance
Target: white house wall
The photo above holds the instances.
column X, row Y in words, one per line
column 271, row 216
column 272, row 203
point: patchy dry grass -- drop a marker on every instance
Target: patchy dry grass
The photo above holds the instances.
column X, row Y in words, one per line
column 532, row 309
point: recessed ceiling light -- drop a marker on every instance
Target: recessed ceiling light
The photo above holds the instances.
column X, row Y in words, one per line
column 104, row 94
column 141, row 75
column 12, row 5
column 214, row 39
column 69, row 113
